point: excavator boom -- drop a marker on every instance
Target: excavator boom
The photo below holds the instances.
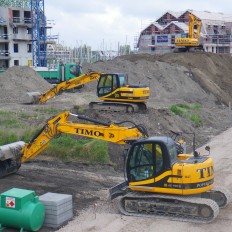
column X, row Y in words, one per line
column 12, row 155
column 36, row 97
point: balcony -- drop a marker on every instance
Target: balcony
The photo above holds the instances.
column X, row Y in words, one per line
column 20, row 22
column 4, row 38
column 4, row 55
column 21, row 37
column 2, row 21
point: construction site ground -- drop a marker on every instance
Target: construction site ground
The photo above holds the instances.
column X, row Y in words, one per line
column 190, row 78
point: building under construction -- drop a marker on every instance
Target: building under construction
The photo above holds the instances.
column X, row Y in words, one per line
column 159, row 36
column 15, row 34
column 23, row 33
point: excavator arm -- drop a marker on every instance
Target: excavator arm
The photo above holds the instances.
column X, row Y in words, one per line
column 193, row 20
column 12, row 155
column 193, row 37
column 36, row 97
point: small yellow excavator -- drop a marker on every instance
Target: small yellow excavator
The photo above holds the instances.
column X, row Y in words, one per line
column 159, row 182
column 192, row 42
column 112, row 89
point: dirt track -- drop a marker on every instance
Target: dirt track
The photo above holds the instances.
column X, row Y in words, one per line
column 171, row 80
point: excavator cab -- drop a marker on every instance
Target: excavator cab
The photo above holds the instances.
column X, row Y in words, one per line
column 111, row 82
column 150, row 158
column 117, row 95
column 154, row 165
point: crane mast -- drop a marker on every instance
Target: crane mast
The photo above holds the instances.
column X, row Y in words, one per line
column 39, row 35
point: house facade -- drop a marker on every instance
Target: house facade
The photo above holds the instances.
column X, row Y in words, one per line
column 159, row 36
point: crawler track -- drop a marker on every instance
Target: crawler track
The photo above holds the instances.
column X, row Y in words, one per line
column 179, row 208
column 118, row 107
column 220, row 195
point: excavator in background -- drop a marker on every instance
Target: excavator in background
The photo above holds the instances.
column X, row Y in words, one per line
column 159, row 182
column 192, row 42
column 112, row 89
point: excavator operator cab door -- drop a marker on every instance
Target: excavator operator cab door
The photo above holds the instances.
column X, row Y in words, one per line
column 147, row 160
column 109, row 83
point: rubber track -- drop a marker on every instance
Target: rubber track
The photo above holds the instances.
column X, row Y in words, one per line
column 177, row 217
column 226, row 193
column 115, row 106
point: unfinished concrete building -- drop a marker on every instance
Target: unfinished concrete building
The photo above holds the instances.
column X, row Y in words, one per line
column 15, row 36
column 159, row 36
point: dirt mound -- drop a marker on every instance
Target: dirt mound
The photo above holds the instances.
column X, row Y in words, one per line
column 204, row 78
column 211, row 71
column 18, row 80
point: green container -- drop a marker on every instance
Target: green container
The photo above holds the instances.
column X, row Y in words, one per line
column 20, row 208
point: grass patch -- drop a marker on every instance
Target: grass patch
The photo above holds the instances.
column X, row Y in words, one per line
column 188, row 111
column 177, row 110
column 80, row 109
column 10, row 136
column 64, row 147
column 48, row 111
column 90, row 150
column 10, row 123
column 29, row 134
column 195, row 118
column 7, row 137
column 26, row 115
column 5, row 113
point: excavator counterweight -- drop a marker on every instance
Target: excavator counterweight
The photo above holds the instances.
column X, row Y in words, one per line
column 10, row 158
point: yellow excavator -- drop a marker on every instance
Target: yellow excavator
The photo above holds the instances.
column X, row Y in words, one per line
column 112, row 89
column 160, row 181
column 192, row 42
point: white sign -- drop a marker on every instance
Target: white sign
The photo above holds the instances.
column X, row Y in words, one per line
column 10, row 202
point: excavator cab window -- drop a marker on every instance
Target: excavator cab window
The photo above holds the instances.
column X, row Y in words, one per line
column 107, row 84
column 122, row 80
column 145, row 161
column 172, row 149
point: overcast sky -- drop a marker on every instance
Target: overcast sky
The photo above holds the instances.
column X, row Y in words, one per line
column 105, row 23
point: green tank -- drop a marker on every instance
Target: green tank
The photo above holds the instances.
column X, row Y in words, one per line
column 20, row 208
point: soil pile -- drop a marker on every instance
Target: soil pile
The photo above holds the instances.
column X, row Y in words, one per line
column 18, row 80
column 203, row 78
column 213, row 72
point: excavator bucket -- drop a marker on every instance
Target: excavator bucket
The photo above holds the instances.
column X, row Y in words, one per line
column 10, row 158
column 30, row 98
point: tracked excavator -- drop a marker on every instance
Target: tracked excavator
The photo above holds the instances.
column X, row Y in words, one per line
column 112, row 89
column 160, row 181
column 192, row 42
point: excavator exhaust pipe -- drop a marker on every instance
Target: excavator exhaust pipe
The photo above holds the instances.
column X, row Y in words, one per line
column 10, row 158
column 30, row 98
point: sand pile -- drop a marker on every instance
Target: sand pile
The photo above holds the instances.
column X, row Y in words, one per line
column 18, row 80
